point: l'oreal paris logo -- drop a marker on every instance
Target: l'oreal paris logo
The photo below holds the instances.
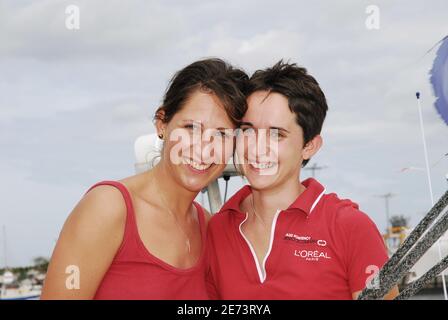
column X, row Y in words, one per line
column 310, row 255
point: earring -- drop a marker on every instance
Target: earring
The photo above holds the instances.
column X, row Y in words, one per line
column 160, row 136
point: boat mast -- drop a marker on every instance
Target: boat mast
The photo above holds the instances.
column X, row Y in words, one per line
column 4, row 247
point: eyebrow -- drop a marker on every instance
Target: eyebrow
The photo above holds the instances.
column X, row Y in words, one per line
column 250, row 124
column 279, row 129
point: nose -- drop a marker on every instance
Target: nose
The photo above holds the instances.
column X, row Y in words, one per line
column 261, row 149
column 203, row 151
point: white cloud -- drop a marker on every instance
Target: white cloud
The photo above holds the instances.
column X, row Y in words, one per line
column 260, row 49
column 141, row 29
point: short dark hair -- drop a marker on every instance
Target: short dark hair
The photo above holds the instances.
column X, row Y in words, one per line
column 305, row 97
column 213, row 75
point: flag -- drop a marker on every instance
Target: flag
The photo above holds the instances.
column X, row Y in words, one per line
column 439, row 79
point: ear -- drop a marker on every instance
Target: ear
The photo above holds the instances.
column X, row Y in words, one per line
column 312, row 147
column 160, row 123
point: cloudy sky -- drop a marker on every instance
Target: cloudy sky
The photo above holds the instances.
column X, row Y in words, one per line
column 72, row 102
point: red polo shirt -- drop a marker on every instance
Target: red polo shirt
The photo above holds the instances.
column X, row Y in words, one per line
column 321, row 247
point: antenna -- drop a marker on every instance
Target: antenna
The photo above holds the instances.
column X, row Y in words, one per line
column 386, row 198
column 315, row 168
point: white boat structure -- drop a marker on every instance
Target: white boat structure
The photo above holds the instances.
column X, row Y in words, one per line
column 12, row 289
column 24, row 291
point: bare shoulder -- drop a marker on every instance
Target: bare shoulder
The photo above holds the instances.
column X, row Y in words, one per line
column 100, row 213
column 104, row 201
column 89, row 240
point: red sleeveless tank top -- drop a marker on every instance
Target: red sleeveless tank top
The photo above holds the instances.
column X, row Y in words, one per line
column 136, row 274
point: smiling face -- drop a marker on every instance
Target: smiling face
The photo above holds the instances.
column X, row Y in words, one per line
column 281, row 158
column 198, row 141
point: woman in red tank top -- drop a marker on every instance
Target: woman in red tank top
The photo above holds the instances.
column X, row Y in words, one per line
column 143, row 237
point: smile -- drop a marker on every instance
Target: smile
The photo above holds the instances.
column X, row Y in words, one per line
column 261, row 166
column 196, row 165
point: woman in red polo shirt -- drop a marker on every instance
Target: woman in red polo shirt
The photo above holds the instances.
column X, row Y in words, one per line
column 143, row 237
column 281, row 238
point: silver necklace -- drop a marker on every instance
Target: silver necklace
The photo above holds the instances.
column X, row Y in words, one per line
column 255, row 211
column 187, row 242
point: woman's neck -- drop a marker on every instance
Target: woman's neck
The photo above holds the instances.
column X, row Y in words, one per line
column 266, row 202
column 159, row 182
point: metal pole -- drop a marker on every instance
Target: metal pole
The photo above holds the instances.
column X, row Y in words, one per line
column 4, row 247
column 214, row 196
column 386, row 197
column 387, row 212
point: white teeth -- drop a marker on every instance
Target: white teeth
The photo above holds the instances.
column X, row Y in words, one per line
column 267, row 165
column 196, row 165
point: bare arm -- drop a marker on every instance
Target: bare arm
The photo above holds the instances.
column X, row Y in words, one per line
column 88, row 242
